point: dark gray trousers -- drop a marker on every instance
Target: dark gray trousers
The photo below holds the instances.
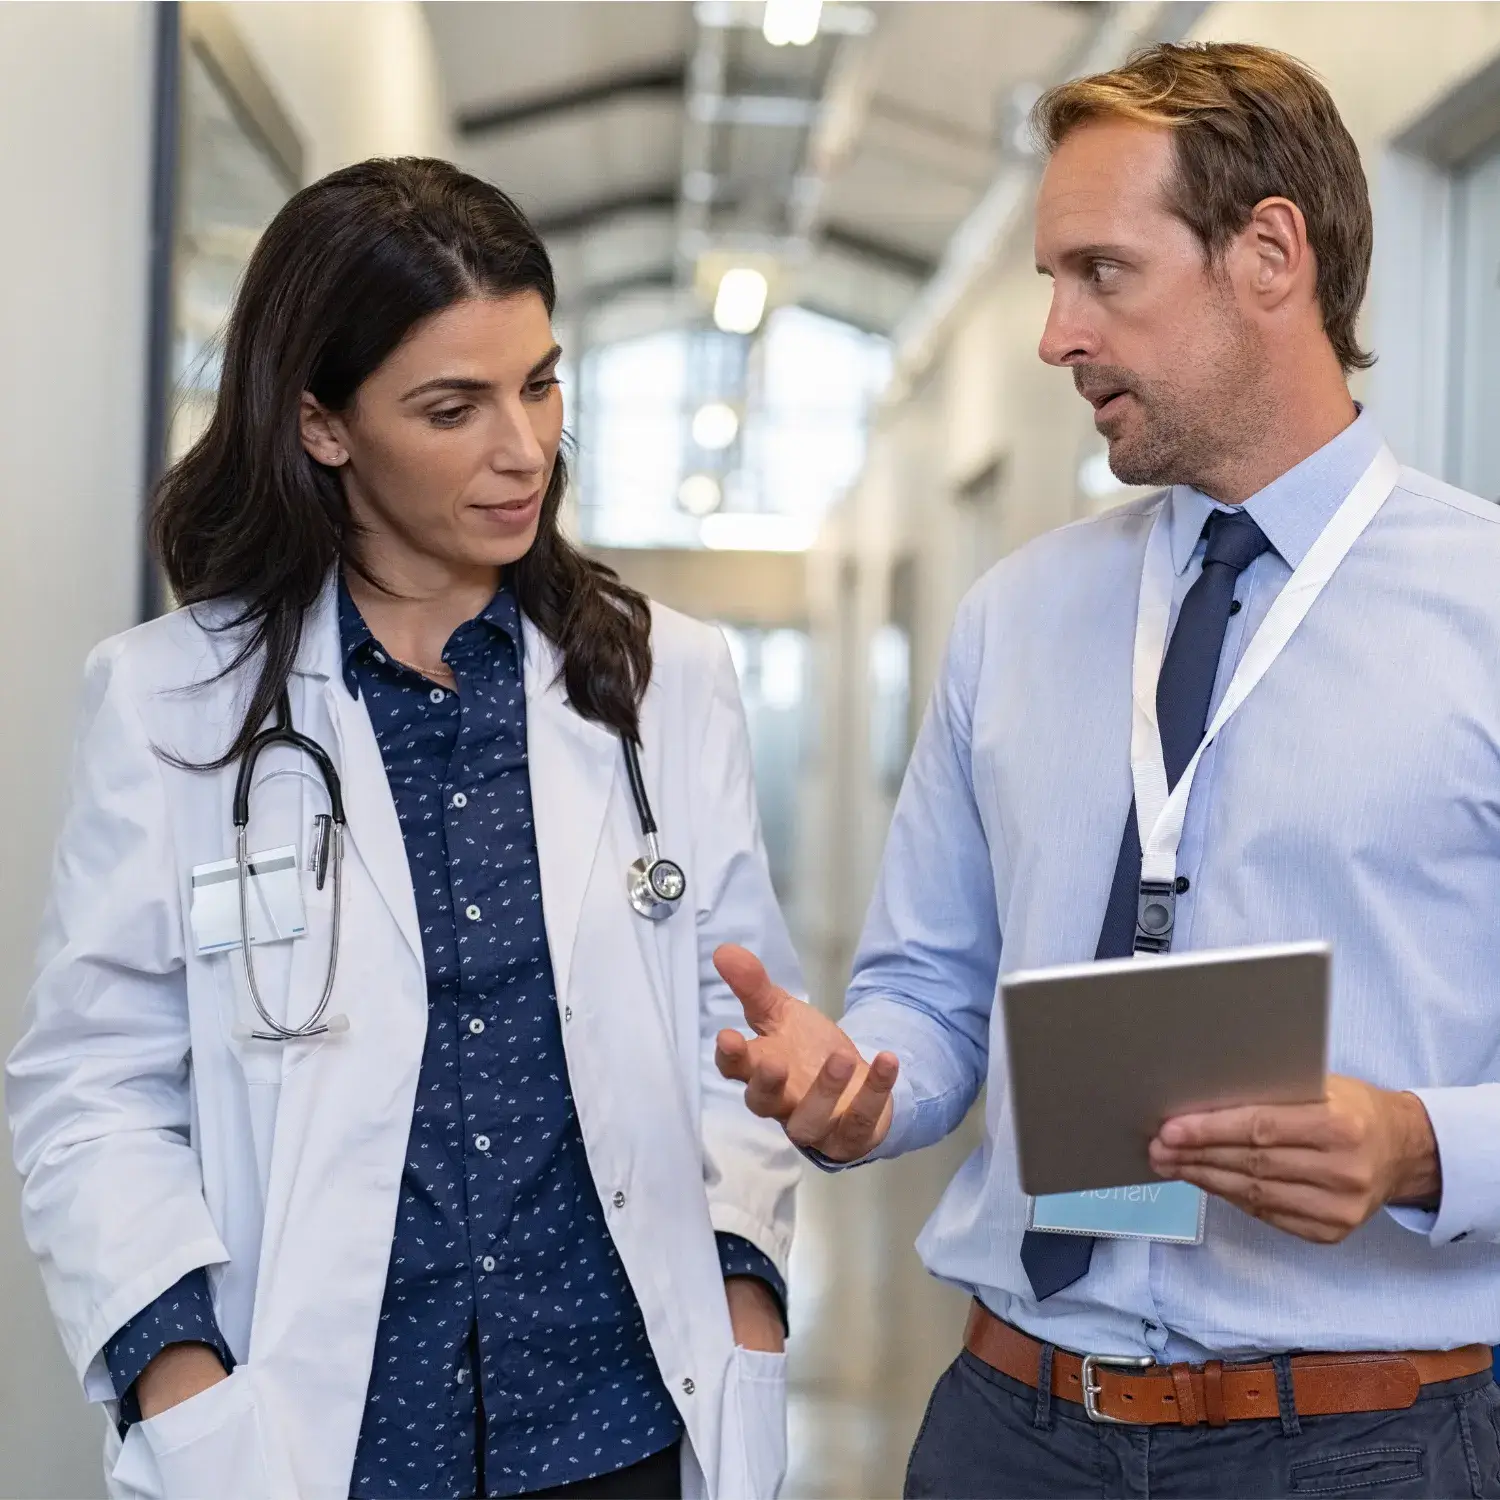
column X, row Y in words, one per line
column 987, row 1437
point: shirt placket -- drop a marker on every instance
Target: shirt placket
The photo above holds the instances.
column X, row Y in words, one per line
column 476, row 900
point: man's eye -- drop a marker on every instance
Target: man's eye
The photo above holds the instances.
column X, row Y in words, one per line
column 539, row 388
column 1103, row 272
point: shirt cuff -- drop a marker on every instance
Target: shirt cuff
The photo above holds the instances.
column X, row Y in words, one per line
column 183, row 1314
column 1465, row 1123
column 738, row 1257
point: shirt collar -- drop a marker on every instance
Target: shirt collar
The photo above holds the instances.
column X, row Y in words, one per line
column 1293, row 509
column 502, row 613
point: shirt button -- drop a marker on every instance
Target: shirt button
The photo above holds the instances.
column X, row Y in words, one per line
column 472, row 913
column 476, row 1026
column 481, row 1143
column 380, row 657
column 488, row 1263
column 459, row 800
column 567, row 1012
column 688, row 1387
column 437, row 695
column 619, row 1200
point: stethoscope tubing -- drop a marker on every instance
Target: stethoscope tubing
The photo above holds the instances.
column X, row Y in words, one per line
column 638, row 787
column 282, row 733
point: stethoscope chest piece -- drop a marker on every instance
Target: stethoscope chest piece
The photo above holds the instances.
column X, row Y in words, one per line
column 656, row 886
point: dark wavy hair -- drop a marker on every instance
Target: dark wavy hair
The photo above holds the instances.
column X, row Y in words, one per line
column 343, row 273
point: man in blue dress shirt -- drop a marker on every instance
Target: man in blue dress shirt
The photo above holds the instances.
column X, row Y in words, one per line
column 1205, row 224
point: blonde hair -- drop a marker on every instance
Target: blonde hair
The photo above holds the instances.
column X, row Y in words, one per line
column 1248, row 123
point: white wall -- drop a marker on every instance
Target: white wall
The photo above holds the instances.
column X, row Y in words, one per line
column 75, row 121
column 358, row 79
column 75, row 125
column 987, row 394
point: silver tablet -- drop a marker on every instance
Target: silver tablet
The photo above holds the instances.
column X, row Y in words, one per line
column 1101, row 1053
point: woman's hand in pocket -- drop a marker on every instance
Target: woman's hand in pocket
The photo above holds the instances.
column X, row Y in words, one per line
column 177, row 1374
column 755, row 1315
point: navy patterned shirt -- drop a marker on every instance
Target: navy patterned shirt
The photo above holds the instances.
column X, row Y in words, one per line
column 511, row 1354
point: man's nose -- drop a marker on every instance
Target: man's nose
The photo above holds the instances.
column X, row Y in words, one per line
column 1066, row 337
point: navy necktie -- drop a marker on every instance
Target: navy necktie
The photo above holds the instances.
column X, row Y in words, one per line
column 1183, row 693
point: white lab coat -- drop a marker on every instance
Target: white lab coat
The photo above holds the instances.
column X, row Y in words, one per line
column 152, row 1141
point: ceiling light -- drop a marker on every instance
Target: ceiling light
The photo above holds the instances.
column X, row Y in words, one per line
column 715, row 426
column 757, row 531
column 741, row 300
column 791, row 22
column 699, row 494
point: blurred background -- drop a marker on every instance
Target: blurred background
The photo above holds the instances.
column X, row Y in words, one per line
column 800, row 315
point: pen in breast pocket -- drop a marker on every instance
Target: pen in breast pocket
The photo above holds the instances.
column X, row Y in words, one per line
column 317, row 859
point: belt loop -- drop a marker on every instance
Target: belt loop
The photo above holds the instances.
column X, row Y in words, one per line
column 1182, row 1387
column 1213, row 1393
column 1286, row 1396
column 1042, row 1417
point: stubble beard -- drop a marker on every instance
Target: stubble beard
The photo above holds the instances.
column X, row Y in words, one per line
column 1190, row 433
column 1160, row 446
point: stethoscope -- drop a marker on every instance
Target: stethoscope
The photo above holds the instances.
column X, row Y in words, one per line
column 654, row 885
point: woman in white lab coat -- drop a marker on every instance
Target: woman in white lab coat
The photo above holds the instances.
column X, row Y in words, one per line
column 491, row 1222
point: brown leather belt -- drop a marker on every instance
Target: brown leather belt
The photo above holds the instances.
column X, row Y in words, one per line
column 1144, row 1394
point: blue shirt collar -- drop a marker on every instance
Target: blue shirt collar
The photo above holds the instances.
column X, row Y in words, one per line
column 502, row 614
column 1293, row 509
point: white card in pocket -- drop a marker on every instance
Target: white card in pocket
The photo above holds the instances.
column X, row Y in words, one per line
column 274, row 901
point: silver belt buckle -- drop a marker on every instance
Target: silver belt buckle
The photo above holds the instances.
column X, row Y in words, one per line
column 1092, row 1389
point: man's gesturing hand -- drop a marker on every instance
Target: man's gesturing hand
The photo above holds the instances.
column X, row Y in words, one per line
column 800, row 1068
column 1315, row 1170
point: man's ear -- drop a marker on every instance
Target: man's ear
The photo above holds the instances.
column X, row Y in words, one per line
column 322, row 432
column 1280, row 259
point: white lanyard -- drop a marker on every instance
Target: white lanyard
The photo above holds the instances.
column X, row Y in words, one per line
column 1159, row 815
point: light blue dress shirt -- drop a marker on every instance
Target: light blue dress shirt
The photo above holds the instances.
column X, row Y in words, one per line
column 1355, row 797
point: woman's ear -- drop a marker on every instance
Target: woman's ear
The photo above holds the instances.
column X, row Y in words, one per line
column 322, row 433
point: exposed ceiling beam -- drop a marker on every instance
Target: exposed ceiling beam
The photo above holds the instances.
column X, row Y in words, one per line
column 593, row 294
column 660, row 80
column 653, row 198
column 939, row 127
column 775, row 110
column 909, row 263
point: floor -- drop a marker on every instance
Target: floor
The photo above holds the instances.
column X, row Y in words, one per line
column 871, row 1331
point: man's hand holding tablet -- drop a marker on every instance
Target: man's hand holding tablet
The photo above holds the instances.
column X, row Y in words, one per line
column 1318, row 1171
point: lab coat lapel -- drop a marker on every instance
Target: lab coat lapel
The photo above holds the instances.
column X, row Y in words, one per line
column 573, row 769
column 373, row 827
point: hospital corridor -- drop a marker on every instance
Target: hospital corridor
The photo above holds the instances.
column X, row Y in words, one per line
column 546, row 309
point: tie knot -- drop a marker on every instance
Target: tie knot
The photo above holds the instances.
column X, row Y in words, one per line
column 1234, row 540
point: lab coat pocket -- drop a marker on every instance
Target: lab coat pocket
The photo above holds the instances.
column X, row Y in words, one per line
column 213, row 1446
column 754, row 1427
column 133, row 1474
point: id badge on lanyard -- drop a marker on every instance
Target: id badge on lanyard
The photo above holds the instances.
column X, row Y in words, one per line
column 1173, row 1211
